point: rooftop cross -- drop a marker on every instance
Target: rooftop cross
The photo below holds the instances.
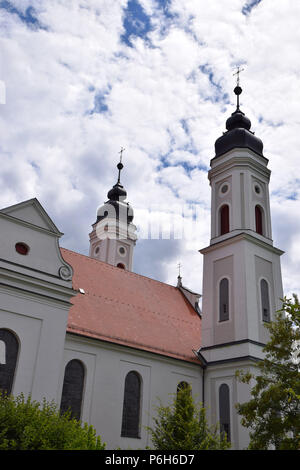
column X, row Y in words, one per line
column 179, row 265
column 238, row 89
column 238, row 75
column 120, row 164
column 179, row 284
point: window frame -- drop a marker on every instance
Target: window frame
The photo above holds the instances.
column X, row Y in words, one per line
column 10, row 362
column 220, row 320
column 78, row 413
column 220, row 219
column 259, row 209
column 125, row 431
column 268, row 319
column 222, row 411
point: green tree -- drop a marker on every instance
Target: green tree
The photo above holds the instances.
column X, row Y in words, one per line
column 28, row 425
column 273, row 412
column 183, row 426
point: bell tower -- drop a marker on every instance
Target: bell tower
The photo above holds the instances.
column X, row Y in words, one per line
column 113, row 237
column 242, row 285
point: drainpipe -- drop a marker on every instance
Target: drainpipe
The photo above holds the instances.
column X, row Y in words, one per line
column 203, row 387
column 203, row 366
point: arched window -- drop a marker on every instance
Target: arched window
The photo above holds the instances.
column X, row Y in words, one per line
column 72, row 393
column 182, row 386
column 224, row 219
column 224, row 300
column 265, row 301
column 9, row 356
column 224, row 410
column 121, row 266
column 131, row 406
column 259, row 220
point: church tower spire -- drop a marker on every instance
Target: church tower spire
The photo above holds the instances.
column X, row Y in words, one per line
column 113, row 237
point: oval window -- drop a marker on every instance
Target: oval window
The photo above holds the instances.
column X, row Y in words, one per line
column 224, row 188
column 22, row 248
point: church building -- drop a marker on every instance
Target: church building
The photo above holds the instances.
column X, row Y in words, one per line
column 89, row 333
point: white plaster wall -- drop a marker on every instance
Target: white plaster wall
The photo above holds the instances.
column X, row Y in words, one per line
column 239, row 393
column 40, row 327
column 247, row 272
column 34, row 299
column 106, row 368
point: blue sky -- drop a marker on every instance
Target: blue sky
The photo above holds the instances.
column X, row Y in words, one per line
column 84, row 78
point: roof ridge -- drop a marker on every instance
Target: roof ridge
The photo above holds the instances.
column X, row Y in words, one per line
column 110, row 266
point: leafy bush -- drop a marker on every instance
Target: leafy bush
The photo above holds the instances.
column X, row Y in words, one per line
column 28, row 425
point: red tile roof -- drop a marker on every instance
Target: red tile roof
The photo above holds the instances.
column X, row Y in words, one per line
column 129, row 309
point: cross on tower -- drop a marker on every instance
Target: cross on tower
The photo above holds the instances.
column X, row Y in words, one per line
column 179, row 265
column 121, row 153
column 120, row 164
column 238, row 89
column 237, row 73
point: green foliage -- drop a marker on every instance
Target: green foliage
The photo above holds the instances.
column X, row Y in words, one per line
column 183, row 426
column 273, row 413
column 27, row 425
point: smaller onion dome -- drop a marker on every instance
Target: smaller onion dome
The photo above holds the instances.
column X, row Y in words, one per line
column 116, row 205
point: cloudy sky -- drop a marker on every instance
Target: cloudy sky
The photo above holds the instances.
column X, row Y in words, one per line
column 81, row 78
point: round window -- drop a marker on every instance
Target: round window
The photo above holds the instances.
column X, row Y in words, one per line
column 257, row 189
column 224, row 189
column 97, row 250
column 122, row 250
column 22, row 248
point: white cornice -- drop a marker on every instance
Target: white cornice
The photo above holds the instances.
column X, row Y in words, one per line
column 9, row 211
column 239, row 158
column 238, row 238
column 28, row 224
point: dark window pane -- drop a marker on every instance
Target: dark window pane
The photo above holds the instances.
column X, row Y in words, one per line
column 224, row 300
column 224, row 219
column 7, row 370
column 224, row 410
column 258, row 220
column 182, row 386
column 73, row 388
column 265, row 302
column 131, row 406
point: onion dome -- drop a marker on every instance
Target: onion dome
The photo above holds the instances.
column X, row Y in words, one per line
column 238, row 132
column 115, row 207
column 117, row 193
